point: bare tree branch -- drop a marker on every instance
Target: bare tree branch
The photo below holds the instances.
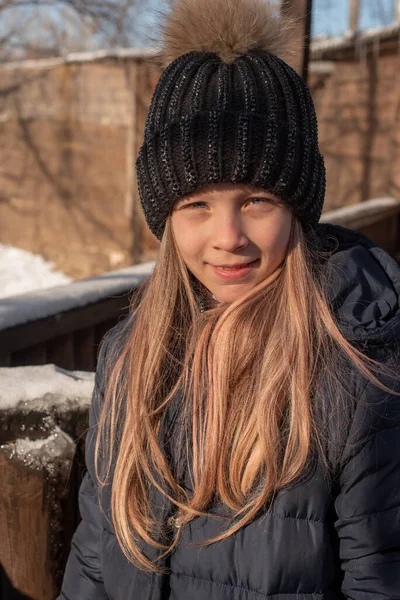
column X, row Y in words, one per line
column 35, row 28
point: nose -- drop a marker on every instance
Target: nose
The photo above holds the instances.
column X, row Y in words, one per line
column 228, row 233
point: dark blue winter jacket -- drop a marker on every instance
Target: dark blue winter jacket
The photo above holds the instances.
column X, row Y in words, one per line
column 325, row 538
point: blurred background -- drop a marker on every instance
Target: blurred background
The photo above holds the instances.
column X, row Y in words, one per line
column 76, row 79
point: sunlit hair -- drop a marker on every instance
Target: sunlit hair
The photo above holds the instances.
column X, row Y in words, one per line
column 248, row 371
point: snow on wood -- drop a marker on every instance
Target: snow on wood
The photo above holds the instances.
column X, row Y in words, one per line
column 51, row 453
column 319, row 47
column 22, row 271
column 83, row 57
column 44, row 388
column 37, row 515
column 364, row 213
column 43, row 418
column 40, row 304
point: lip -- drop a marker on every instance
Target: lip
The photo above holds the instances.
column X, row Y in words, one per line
column 235, row 271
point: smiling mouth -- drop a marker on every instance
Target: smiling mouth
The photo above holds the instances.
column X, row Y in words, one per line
column 239, row 266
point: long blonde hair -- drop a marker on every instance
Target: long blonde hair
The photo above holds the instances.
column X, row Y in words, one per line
column 248, row 371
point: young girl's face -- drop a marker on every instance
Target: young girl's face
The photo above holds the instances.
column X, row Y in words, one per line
column 231, row 237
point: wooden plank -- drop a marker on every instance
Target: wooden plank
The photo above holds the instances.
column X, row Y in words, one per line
column 84, row 349
column 34, row 355
column 384, row 234
column 5, row 360
column 100, row 331
column 307, row 40
column 60, row 351
column 24, row 531
column 396, row 10
column 363, row 214
column 354, row 16
column 30, row 334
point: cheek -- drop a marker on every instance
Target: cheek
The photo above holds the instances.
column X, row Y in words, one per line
column 273, row 240
column 188, row 241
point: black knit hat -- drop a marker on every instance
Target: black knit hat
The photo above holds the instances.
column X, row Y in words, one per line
column 229, row 116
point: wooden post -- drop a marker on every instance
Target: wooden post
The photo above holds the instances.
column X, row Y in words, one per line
column 396, row 8
column 32, row 515
column 354, row 16
column 307, row 39
column 301, row 11
column 24, row 527
column 132, row 209
column 61, row 351
column 43, row 410
column 84, row 350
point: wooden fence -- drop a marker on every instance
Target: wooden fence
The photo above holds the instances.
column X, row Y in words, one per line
column 378, row 219
column 64, row 325
column 39, row 509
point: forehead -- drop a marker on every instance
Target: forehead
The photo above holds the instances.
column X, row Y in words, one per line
column 225, row 190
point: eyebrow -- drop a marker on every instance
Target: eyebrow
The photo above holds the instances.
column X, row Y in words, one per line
column 240, row 194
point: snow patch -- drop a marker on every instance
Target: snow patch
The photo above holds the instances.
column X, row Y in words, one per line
column 50, row 454
column 46, row 387
column 40, row 304
column 22, row 271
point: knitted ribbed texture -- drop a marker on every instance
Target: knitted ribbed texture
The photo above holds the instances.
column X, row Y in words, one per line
column 251, row 121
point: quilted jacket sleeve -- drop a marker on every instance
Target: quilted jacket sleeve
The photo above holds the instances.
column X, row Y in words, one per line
column 83, row 575
column 368, row 505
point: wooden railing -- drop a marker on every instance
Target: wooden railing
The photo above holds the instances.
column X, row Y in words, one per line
column 64, row 325
column 379, row 219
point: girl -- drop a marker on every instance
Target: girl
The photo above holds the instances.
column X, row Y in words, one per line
column 244, row 434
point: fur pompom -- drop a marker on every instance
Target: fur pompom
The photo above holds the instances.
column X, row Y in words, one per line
column 228, row 28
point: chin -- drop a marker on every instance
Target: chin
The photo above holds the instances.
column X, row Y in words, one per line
column 230, row 294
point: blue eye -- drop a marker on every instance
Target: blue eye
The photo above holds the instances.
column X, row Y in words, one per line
column 260, row 200
column 194, row 205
